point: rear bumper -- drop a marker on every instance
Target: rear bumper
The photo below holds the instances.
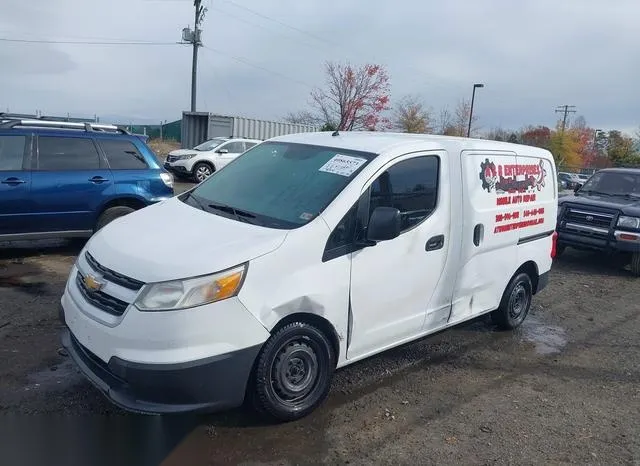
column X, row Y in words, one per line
column 212, row 384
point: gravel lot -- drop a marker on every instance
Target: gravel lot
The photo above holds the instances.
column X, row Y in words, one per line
column 563, row 389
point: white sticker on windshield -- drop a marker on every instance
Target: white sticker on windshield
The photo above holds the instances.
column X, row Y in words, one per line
column 343, row 165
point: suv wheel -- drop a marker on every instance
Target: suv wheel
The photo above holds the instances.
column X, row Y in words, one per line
column 635, row 264
column 202, row 171
column 111, row 214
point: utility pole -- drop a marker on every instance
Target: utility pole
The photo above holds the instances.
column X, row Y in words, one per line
column 566, row 109
column 194, row 38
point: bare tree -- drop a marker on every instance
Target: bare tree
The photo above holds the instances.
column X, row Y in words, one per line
column 444, row 123
column 461, row 118
column 303, row 117
column 499, row 134
column 354, row 98
column 411, row 116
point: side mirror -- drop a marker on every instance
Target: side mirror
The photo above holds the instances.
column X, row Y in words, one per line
column 222, row 151
column 577, row 188
column 384, row 224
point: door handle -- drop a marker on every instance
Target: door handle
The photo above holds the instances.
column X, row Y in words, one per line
column 98, row 179
column 478, row 234
column 13, row 181
column 437, row 242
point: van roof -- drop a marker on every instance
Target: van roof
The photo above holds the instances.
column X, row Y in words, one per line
column 379, row 142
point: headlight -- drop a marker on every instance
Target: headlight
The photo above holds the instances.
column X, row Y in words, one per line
column 629, row 222
column 186, row 157
column 167, row 179
column 192, row 292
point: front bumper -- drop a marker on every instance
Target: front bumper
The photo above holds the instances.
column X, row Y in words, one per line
column 177, row 169
column 611, row 244
column 210, row 384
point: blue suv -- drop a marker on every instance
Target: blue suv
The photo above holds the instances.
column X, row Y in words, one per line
column 65, row 180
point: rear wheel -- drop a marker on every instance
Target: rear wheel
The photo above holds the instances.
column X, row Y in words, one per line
column 111, row 214
column 515, row 303
column 293, row 372
column 635, row 264
column 202, row 171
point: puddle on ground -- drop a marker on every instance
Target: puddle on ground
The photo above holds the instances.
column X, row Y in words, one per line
column 548, row 339
column 58, row 377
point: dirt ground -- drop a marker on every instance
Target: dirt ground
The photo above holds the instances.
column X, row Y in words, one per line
column 563, row 389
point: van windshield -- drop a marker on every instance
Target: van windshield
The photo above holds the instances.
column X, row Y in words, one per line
column 278, row 184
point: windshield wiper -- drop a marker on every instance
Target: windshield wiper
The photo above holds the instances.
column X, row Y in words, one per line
column 200, row 205
column 591, row 191
column 628, row 195
column 241, row 215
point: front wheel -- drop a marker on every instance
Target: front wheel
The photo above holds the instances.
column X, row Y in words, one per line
column 515, row 303
column 202, row 171
column 111, row 214
column 293, row 372
column 635, row 264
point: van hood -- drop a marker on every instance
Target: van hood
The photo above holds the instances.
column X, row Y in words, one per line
column 172, row 240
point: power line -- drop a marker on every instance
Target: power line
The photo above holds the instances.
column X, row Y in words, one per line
column 253, row 65
column 85, row 42
column 281, row 23
column 250, row 23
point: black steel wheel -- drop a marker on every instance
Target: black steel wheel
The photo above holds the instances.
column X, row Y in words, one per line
column 293, row 372
column 515, row 303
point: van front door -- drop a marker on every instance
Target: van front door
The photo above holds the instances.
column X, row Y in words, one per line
column 393, row 282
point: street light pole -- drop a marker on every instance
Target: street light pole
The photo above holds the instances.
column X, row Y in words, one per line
column 473, row 98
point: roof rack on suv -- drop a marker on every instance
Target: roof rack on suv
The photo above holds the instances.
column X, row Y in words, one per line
column 63, row 125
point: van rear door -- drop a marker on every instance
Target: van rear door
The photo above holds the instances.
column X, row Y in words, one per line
column 491, row 208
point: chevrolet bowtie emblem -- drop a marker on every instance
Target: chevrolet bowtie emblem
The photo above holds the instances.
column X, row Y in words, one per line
column 92, row 283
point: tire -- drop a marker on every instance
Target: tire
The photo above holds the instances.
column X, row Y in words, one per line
column 515, row 303
column 297, row 361
column 111, row 214
column 202, row 171
column 635, row 264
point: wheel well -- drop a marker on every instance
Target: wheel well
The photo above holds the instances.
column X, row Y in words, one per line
column 531, row 269
column 317, row 321
column 205, row 162
column 123, row 202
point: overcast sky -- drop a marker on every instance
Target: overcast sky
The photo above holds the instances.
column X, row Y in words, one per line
column 532, row 56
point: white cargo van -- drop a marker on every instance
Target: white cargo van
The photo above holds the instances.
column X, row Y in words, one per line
column 307, row 253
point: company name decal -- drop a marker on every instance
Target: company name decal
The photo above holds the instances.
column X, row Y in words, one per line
column 509, row 178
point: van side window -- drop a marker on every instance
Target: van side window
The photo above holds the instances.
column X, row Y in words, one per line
column 411, row 186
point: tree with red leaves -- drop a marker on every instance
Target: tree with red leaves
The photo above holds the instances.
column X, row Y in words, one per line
column 355, row 98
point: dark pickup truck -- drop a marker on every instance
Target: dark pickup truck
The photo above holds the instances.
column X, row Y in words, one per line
column 604, row 215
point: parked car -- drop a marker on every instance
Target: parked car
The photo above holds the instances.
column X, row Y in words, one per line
column 314, row 251
column 60, row 179
column 582, row 177
column 562, row 184
column 604, row 215
column 571, row 179
column 203, row 160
